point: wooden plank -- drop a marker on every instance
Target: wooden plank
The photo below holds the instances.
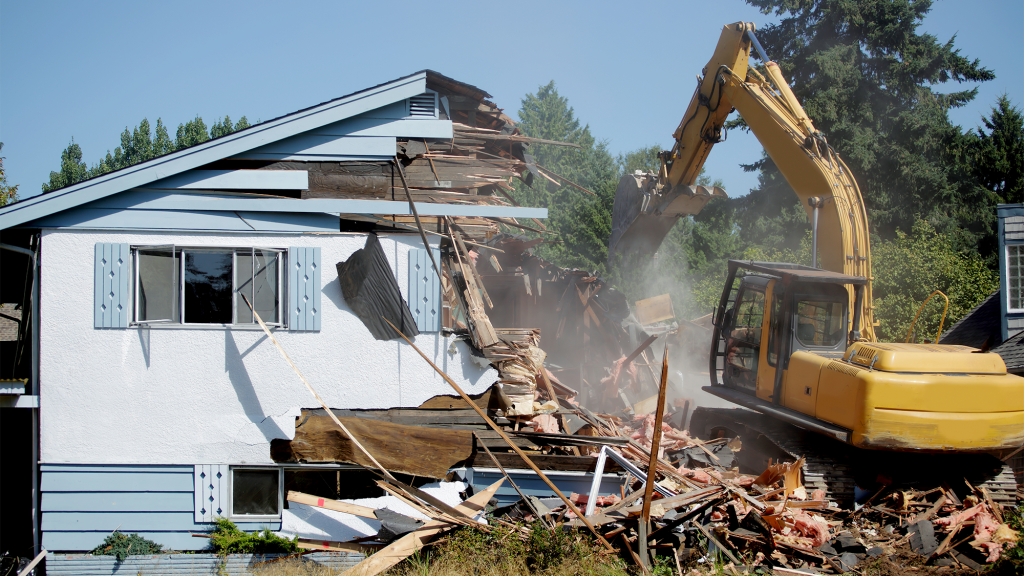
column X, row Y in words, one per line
column 410, row 543
column 652, row 468
column 482, row 400
column 415, row 450
column 331, row 504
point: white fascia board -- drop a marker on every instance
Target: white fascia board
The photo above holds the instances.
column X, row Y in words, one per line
column 218, row 149
column 143, row 200
column 235, row 180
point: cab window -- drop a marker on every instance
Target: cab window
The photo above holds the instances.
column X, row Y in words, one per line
column 819, row 322
column 745, row 339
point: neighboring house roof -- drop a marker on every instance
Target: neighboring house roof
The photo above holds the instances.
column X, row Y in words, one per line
column 1012, row 352
column 978, row 326
column 302, row 135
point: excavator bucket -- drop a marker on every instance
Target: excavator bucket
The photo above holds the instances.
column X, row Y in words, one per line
column 642, row 216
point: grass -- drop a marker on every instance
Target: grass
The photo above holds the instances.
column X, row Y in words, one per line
column 503, row 552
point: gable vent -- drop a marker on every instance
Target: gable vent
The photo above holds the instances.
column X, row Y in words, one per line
column 423, row 105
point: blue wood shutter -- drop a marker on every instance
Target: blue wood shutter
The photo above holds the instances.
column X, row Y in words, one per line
column 303, row 288
column 424, row 290
column 210, row 491
column 111, row 274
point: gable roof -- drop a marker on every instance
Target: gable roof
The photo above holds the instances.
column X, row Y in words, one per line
column 286, row 126
column 1012, row 352
column 978, row 326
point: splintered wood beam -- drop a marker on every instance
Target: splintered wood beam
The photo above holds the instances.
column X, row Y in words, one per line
column 652, row 468
column 501, row 433
column 330, row 504
column 412, row 208
column 309, row 387
column 472, row 267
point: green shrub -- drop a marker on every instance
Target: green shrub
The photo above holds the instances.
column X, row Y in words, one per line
column 228, row 539
column 121, row 546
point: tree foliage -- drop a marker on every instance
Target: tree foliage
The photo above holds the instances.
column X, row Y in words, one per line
column 868, row 78
column 999, row 158
column 909, row 267
column 138, row 145
column 582, row 221
column 8, row 193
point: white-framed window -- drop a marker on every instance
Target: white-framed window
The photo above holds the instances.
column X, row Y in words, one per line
column 1015, row 277
column 256, row 493
column 203, row 285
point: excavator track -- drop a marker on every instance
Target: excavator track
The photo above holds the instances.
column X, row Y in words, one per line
column 837, row 468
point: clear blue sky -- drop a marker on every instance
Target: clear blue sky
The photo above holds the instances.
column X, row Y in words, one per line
column 89, row 69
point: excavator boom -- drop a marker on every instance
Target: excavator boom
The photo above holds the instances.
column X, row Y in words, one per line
column 647, row 206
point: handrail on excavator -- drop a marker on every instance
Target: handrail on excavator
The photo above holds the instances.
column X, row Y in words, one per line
column 941, row 322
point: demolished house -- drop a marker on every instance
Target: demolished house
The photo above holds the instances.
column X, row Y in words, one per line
column 333, row 325
column 160, row 403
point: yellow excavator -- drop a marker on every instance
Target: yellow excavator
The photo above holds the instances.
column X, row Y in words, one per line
column 795, row 344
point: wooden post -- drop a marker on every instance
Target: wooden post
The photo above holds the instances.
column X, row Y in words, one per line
column 507, row 440
column 652, row 468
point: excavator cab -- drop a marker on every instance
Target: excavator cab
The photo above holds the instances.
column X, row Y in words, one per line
column 757, row 322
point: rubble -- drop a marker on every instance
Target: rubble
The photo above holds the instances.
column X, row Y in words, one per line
column 578, row 391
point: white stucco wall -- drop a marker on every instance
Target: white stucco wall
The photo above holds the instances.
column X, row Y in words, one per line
column 180, row 395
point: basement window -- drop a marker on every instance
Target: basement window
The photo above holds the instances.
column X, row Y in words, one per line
column 256, row 493
column 183, row 285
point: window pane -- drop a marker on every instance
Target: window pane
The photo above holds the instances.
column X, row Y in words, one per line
column 819, row 323
column 243, row 285
column 254, row 492
column 208, row 287
column 266, row 297
column 158, row 287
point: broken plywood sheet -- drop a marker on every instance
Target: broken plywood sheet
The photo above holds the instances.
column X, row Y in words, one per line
column 654, row 309
column 415, row 450
column 318, row 523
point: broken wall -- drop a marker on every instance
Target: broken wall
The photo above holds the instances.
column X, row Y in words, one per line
column 210, row 394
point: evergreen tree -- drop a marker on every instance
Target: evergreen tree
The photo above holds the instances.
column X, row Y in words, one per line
column 191, row 133
column 139, row 144
column 582, row 221
column 867, row 78
column 999, row 163
column 8, row 193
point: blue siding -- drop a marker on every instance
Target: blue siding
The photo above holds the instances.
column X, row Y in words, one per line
column 118, row 502
column 236, row 180
column 82, row 505
column 112, row 271
column 425, row 290
column 120, row 481
column 383, row 127
column 318, row 145
column 304, row 288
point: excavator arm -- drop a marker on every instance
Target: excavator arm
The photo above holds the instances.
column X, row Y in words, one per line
column 647, row 206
